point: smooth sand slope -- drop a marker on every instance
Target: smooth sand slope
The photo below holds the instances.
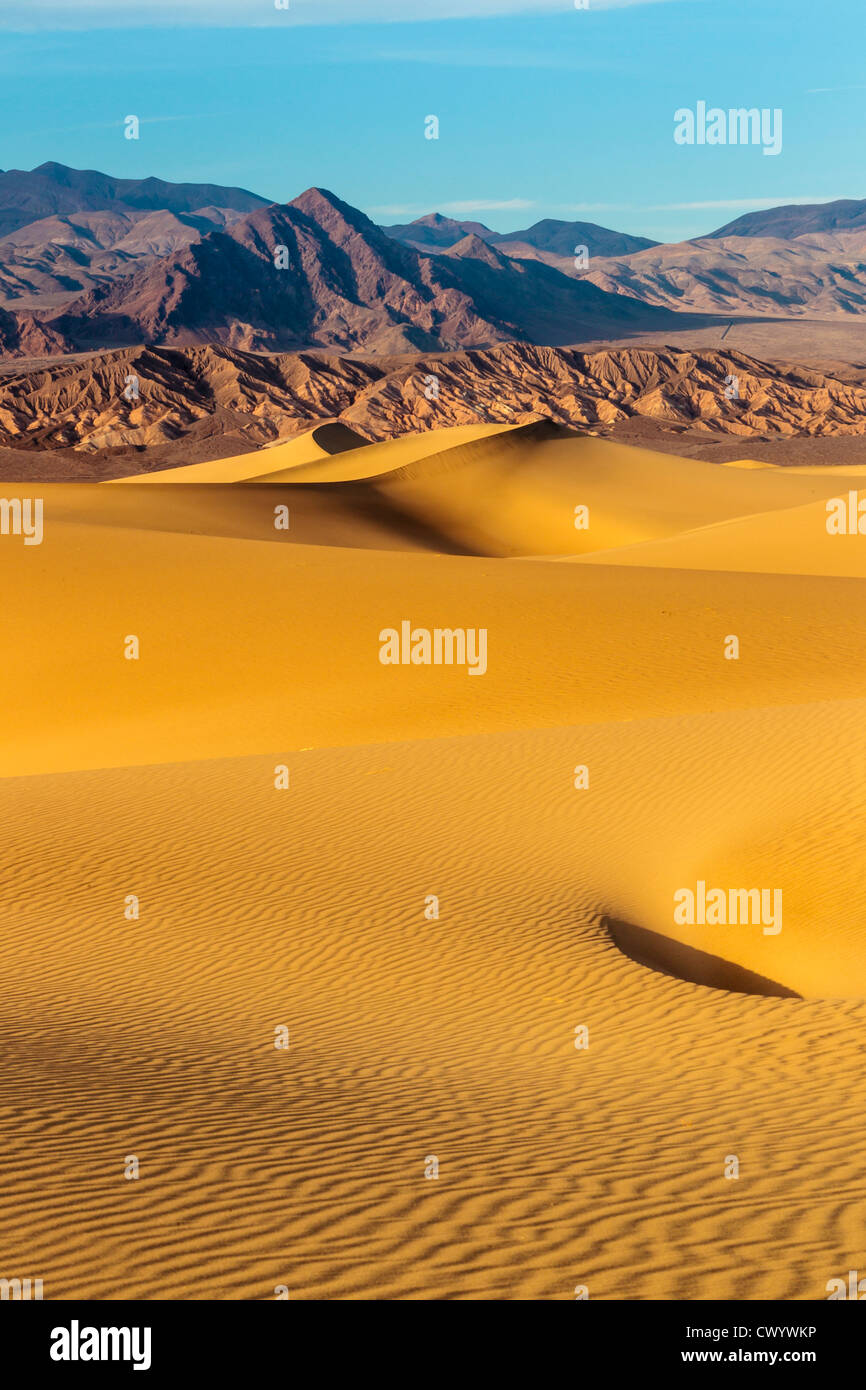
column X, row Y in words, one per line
column 793, row 541
column 305, row 906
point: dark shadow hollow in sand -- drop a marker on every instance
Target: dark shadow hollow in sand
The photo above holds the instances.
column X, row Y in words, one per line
column 335, row 437
column 683, row 962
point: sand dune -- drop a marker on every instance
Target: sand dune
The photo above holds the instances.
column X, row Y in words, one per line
column 383, row 458
column 519, row 492
column 794, row 541
column 524, row 490
column 311, row 446
column 566, row 643
column 305, row 907
column 408, row 1038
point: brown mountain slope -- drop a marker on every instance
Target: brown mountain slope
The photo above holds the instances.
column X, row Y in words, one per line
column 436, row 232
column 118, row 260
column 561, row 239
column 47, row 263
column 316, row 272
column 818, row 276
column 27, row 195
column 799, row 219
column 90, row 403
column 342, row 284
column 23, row 335
column 550, row 236
column 201, row 394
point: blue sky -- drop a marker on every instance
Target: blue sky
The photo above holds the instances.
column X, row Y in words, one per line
column 544, row 110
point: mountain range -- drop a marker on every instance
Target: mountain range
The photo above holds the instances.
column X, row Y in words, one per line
column 52, row 189
column 90, row 262
column 314, row 272
column 435, row 232
column 190, row 398
column 795, row 261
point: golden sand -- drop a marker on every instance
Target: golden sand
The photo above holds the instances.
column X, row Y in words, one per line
column 413, row 1036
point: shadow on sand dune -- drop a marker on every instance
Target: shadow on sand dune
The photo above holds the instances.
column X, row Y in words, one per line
column 335, row 437
column 683, row 962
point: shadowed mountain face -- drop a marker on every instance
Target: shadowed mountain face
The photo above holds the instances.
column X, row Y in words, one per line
column 66, row 231
column 435, row 232
column 45, row 263
column 563, row 239
column 793, row 220
column 316, row 272
column 22, row 335
column 28, row 195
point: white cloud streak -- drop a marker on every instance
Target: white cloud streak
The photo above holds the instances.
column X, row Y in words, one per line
column 28, row 15
column 467, row 206
column 461, row 206
column 779, row 200
column 782, row 200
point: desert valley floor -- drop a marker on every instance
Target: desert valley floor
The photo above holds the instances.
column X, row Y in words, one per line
column 306, row 907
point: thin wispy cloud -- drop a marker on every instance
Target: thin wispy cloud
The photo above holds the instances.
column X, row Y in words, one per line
column 777, row 200
column 597, row 207
column 117, row 125
column 83, row 14
column 465, row 206
column 489, row 56
column 461, row 206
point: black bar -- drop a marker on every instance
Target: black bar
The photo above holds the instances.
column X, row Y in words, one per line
column 230, row 1340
